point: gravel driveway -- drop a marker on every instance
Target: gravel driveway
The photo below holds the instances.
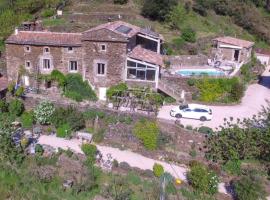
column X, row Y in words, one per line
column 255, row 98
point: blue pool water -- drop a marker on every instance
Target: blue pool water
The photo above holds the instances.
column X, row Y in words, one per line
column 200, row 72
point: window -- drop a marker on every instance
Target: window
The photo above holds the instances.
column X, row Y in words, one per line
column 139, row 71
column 27, row 49
column 46, row 63
column 100, row 68
column 73, row 66
column 70, row 49
column 103, row 47
column 46, row 49
column 27, row 64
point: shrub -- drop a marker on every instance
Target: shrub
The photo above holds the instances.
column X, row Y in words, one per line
column 77, row 89
column 116, row 90
column 16, row 107
column 27, row 119
column 47, row 13
column 124, row 165
column 90, row 151
column 148, row 132
column 92, row 114
column 39, row 149
column 202, row 179
column 43, row 112
column 205, row 130
column 233, row 167
column 191, row 82
column 169, row 100
column 120, row 1
column 63, row 131
column 59, row 77
column 134, row 178
column 99, row 136
column 237, row 91
column 247, row 188
column 158, row 170
column 3, row 106
column 19, row 92
column 189, row 35
column 158, row 10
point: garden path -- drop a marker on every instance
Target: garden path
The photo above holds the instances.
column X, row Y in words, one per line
column 133, row 159
column 256, row 96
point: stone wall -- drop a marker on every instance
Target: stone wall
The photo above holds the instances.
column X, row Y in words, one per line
column 187, row 60
column 114, row 58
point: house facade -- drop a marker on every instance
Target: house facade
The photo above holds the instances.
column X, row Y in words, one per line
column 263, row 56
column 233, row 49
column 104, row 55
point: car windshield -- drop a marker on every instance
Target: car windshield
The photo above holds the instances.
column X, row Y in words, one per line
column 182, row 107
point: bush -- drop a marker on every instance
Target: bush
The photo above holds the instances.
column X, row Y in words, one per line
column 90, row 151
column 39, row 149
column 189, row 35
column 47, row 13
column 43, row 112
column 117, row 90
column 69, row 116
column 19, row 92
column 77, row 89
column 92, row 114
column 169, row 100
column 247, row 188
column 120, row 1
column 202, row 179
column 27, row 119
column 191, row 82
column 16, row 107
column 158, row 170
column 98, row 137
column 63, row 131
column 237, row 91
column 157, row 9
column 3, row 106
column 205, row 130
column 59, row 77
column 233, row 167
column 148, row 132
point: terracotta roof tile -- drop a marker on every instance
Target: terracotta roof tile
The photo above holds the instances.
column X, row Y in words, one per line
column 263, row 51
column 45, row 38
column 103, row 35
column 145, row 55
column 3, row 83
column 235, row 41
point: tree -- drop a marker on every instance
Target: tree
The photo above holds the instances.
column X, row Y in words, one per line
column 43, row 112
column 8, row 151
column 189, row 35
column 16, row 107
column 158, row 9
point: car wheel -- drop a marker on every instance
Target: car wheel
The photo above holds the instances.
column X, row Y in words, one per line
column 178, row 116
column 203, row 119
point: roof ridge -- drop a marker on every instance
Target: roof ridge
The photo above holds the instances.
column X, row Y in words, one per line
column 50, row 32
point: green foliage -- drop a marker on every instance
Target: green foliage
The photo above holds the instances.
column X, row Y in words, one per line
column 189, row 35
column 90, row 151
column 158, row 170
column 39, row 149
column 59, row 77
column 47, row 13
column 219, row 89
column 205, row 130
column 27, row 119
column 249, row 70
column 233, row 167
column 43, row 112
column 92, row 114
column 117, row 90
column 246, row 139
column 98, row 136
column 16, row 107
column 191, row 82
column 63, row 131
column 19, row 92
column 202, row 179
column 121, row 2
column 3, row 106
column 134, row 178
column 148, row 132
column 158, row 9
column 77, row 89
column 169, row 100
column 248, row 188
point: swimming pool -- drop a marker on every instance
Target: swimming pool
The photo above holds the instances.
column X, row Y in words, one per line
column 200, row 72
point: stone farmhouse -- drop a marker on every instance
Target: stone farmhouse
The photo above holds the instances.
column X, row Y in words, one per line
column 104, row 55
column 233, row 49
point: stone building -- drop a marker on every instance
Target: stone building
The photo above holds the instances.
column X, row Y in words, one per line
column 233, row 49
column 104, row 55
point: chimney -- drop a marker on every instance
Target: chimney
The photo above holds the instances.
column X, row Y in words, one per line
column 16, row 31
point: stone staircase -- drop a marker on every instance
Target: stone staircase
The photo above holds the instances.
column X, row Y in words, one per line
column 175, row 87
